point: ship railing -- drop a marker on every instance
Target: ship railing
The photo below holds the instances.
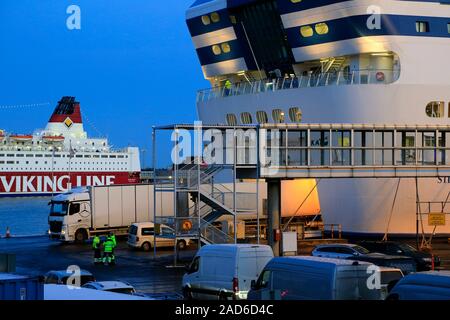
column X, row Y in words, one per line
column 357, row 77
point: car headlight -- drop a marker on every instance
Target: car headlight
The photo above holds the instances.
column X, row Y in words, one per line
column 63, row 231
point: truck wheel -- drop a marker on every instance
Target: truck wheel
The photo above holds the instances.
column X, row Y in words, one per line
column 146, row 246
column 181, row 245
column 80, row 236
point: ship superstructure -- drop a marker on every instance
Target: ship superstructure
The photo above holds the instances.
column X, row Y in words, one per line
column 62, row 156
column 381, row 62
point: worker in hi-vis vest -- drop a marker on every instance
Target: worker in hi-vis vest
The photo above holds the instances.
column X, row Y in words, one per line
column 113, row 239
column 96, row 244
column 228, row 87
column 108, row 247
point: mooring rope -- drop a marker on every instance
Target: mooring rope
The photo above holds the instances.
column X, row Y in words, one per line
column 385, row 238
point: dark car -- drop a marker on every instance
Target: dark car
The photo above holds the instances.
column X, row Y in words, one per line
column 360, row 253
column 405, row 264
column 422, row 259
column 63, row 277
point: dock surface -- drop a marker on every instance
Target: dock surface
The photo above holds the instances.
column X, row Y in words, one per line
column 38, row 255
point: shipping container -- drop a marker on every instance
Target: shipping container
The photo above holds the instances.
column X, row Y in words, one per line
column 17, row 287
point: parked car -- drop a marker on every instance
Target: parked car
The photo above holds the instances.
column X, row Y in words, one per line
column 405, row 264
column 225, row 271
column 339, row 251
column 111, row 286
column 141, row 235
column 62, row 277
column 428, row 285
column 389, row 277
column 57, row 292
column 422, row 259
column 358, row 253
column 164, row 296
column 314, row 278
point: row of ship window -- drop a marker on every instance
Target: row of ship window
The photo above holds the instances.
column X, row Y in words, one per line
column 22, row 155
column 424, row 26
column 44, row 142
column 322, row 28
column 213, row 17
column 278, row 116
column 436, row 109
column 305, row 31
column 54, row 162
column 63, row 169
column 219, row 49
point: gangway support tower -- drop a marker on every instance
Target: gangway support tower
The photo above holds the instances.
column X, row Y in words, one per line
column 207, row 192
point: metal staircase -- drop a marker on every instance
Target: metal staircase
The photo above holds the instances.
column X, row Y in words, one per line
column 334, row 65
column 209, row 202
column 329, row 72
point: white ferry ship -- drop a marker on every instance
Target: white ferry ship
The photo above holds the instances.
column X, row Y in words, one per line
column 62, row 157
column 333, row 61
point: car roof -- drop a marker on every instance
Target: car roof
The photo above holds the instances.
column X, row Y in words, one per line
column 389, row 269
column 63, row 273
column 380, row 242
column 108, row 285
column 143, row 224
column 232, row 247
column 312, row 260
column 58, row 292
column 349, row 245
column 431, row 278
column 147, row 225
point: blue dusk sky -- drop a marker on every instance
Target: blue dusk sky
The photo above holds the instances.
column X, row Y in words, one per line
column 132, row 65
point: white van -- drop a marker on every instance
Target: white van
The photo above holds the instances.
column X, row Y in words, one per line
column 141, row 236
column 314, row 278
column 225, row 271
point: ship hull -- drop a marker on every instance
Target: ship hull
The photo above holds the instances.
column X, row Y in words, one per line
column 14, row 184
column 374, row 207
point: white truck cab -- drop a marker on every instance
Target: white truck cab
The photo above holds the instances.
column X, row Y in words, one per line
column 70, row 216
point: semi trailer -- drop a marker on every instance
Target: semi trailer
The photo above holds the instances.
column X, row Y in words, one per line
column 84, row 212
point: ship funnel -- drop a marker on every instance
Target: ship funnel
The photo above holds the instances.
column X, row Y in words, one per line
column 67, row 110
column 66, row 119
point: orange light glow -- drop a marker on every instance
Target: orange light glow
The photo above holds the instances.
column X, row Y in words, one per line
column 294, row 192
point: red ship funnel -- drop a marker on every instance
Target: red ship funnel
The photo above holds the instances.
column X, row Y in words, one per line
column 67, row 108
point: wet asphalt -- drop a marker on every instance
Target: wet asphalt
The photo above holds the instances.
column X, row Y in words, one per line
column 146, row 272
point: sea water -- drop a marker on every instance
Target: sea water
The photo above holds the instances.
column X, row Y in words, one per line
column 24, row 216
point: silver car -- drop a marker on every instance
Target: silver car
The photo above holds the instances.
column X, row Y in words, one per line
column 339, row 251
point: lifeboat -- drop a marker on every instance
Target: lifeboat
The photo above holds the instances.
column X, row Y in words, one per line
column 49, row 138
column 2, row 135
column 21, row 137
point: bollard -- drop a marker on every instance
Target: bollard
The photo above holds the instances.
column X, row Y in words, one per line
column 8, row 233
